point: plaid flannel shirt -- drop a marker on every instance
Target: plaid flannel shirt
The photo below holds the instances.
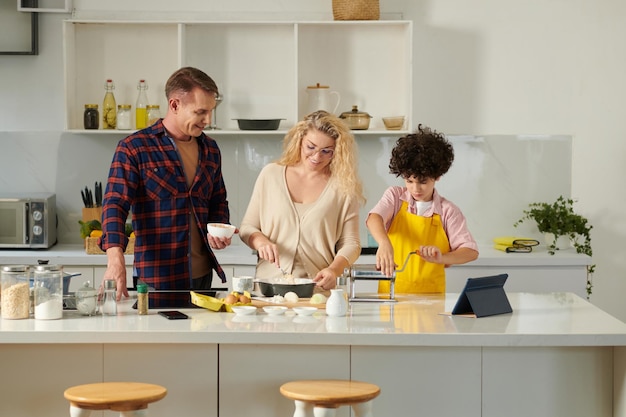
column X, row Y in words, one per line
column 147, row 176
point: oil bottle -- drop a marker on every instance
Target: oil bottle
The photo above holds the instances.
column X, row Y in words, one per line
column 141, row 116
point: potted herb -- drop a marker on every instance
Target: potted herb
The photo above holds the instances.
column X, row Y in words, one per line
column 559, row 219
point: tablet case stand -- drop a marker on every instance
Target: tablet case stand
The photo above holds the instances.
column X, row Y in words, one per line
column 483, row 297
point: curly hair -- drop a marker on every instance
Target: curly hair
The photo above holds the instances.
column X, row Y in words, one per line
column 343, row 166
column 423, row 154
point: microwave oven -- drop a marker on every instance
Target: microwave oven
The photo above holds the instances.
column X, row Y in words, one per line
column 28, row 220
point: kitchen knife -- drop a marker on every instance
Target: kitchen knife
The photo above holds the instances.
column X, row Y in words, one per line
column 84, row 197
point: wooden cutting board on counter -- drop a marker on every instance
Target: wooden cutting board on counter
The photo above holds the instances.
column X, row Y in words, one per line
column 303, row 302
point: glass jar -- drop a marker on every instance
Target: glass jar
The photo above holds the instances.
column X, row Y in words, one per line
column 48, row 292
column 109, row 303
column 123, row 117
column 15, row 303
column 91, row 117
column 86, row 297
column 154, row 113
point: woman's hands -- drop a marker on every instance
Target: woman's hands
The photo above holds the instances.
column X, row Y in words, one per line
column 267, row 250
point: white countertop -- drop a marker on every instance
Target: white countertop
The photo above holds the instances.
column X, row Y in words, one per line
column 550, row 319
column 242, row 255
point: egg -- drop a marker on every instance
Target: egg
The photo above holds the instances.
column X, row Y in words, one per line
column 244, row 299
column 231, row 299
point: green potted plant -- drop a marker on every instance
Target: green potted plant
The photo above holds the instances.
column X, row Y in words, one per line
column 559, row 219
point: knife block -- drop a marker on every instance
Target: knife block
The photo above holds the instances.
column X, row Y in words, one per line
column 92, row 213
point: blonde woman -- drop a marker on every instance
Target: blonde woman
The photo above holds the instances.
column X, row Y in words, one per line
column 303, row 216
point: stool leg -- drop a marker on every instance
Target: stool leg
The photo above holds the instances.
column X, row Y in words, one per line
column 303, row 409
column 324, row 412
column 362, row 409
column 134, row 413
column 79, row 412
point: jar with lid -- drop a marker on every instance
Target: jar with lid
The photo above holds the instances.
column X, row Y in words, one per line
column 154, row 113
column 123, row 117
column 86, row 297
column 109, row 302
column 91, row 117
column 15, row 299
column 48, row 292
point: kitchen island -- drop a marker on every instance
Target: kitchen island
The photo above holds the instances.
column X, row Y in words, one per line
column 555, row 355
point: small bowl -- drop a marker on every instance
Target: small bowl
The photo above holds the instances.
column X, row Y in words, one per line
column 244, row 310
column 393, row 123
column 275, row 310
column 305, row 311
column 220, row 229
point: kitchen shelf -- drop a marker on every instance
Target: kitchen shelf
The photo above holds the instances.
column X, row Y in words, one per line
column 221, row 132
column 261, row 68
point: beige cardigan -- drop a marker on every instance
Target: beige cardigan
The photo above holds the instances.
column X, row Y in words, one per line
column 329, row 228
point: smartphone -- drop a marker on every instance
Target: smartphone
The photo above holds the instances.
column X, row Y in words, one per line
column 174, row 315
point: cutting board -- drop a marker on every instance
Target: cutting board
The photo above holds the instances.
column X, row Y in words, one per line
column 303, row 302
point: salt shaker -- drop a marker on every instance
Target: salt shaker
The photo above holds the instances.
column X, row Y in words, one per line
column 109, row 304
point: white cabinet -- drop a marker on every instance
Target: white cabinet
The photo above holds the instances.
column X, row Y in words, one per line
column 262, row 68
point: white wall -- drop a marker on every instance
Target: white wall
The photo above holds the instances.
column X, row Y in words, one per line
column 485, row 67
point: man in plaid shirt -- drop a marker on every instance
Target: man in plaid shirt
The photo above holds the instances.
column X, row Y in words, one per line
column 169, row 174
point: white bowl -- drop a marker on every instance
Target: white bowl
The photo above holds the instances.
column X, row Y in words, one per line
column 275, row 310
column 304, row 311
column 220, row 229
column 244, row 310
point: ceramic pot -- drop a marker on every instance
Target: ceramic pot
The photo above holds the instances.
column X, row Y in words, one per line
column 336, row 305
column 562, row 242
column 319, row 98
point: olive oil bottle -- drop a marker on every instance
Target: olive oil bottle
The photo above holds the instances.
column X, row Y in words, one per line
column 141, row 115
column 109, row 109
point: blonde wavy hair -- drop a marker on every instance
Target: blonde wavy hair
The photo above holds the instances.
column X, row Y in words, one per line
column 343, row 165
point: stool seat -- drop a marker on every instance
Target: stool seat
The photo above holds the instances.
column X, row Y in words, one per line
column 325, row 395
column 115, row 396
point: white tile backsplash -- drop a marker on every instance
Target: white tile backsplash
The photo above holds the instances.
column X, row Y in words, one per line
column 492, row 179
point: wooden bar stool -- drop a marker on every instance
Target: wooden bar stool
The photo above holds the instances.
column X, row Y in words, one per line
column 321, row 398
column 131, row 399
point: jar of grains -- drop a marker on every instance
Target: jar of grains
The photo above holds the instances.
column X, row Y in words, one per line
column 153, row 113
column 15, row 299
column 123, row 116
column 48, row 289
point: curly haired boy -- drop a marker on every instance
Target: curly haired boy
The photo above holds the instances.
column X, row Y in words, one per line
column 416, row 218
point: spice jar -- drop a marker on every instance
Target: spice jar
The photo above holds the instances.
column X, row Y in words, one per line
column 86, row 297
column 91, row 117
column 123, row 116
column 142, row 299
column 154, row 113
column 15, row 303
column 48, row 292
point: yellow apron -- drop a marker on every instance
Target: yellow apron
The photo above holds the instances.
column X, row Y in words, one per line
column 407, row 233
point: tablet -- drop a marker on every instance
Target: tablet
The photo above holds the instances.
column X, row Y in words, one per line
column 483, row 296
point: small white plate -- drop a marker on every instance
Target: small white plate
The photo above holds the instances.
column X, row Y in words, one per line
column 244, row 310
column 275, row 310
column 304, row 311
